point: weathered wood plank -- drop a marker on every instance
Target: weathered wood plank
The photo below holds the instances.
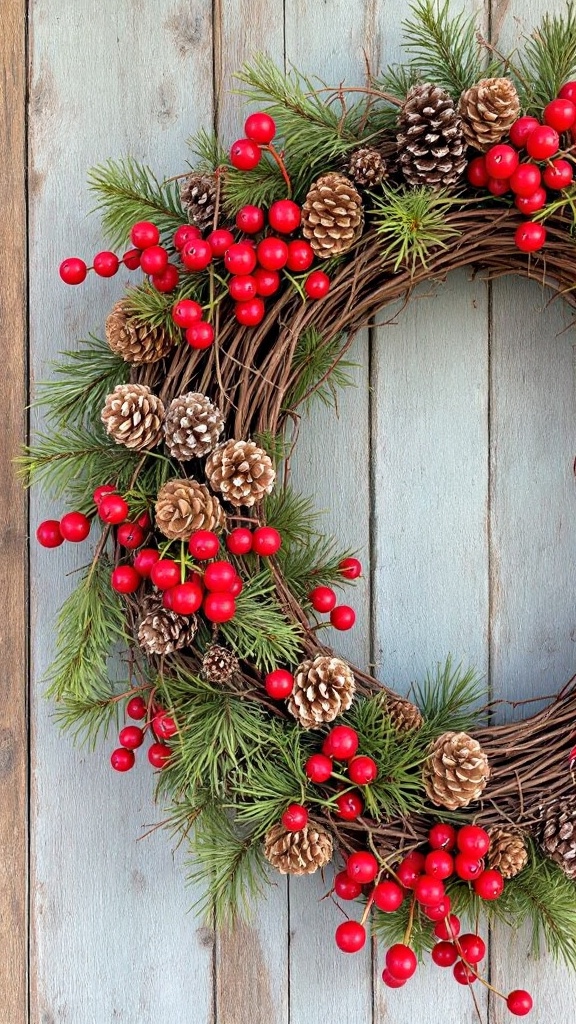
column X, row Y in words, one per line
column 13, row 517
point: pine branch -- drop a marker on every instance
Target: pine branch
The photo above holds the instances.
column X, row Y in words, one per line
column 208, row 152
column 260, row 631
column 449, row 699
column 79, row 453
column 444, row 46
column 127, row 192
column 391, row 928
column 82, row 380
column 397, row 80
column 272, row 778
column 275, row 445
column 88, row 720
column 549, row 60
column 153, row 308
column 260, row 187
column 412, row 223
column 320, row 370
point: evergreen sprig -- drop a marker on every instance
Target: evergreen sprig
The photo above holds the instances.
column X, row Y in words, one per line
column 207, row 150
column 391, row 928
column 82, row 379
column 449, row 699
column 88, row 720
column 412, row 223
column 260, row 631
column 128, row 191
column 319, row 368
column 261, row 186
column 272, row 778
column 548, row 60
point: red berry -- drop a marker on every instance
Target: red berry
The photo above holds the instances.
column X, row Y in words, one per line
column 362, row 770
column 236, row 587
column 245, row 155
column 102, row 491
column 362, row 867
column 106, row 264
column 530, row 204
column 144, row 234
column 558, row 174
column 136, row 708
column 267, row 281
column 343, row 617
column 525, row 179
column 251, row 312
column 387, row 896
column 164, row 725
column 144, row 520
column 131, row 737
column 341, row 742
column 186, row 312
column 239, row 542
column 489, row 885
column 530, row 236
column 159, row 755
column 75, row 527
column 185, row 233
column 542, row 142
column 300, row 255
column 322, row 599
column 73, row 270
column 464, row 975
column 401, row 961
column 476, row 172
column 167, row 280
column 472, row 948
column 196, row 254
column 113, row 509
column 345, row 888
column 165, row 573
column 130, row 535
column 429, row 890
column 200, row 335
column 350, row 568
column 186, row 597
column 498, row 186
column 519, row 1002
column 448, row 929
column 284, row 216
column 242, row 289
column 272, row 253
column 219, row 607
column 467, row 866
column 390, row 981
column 501, row 161
column 440, row 911
column 266, row 541
column 444, row 954
column 203, row 544
column 131, row 259
column 350, row 936
column 279, row 683
column 349, row 806
column 442, row 836
column 125, row 579
column 260, row 127
column 410, row 869
column 122, row 760
column 568, row 92
column 240, row 258
column 521, row 129
column 154, row 259
column 317, row 284
column 560, row 114
column 439, row 864
column 295, row 817
column 144, row 560
column 167, row 598
column 219, row 576
column 48, row 534
column 318, row 767
column 473, row 840
column 250, row 219
column 219, row 240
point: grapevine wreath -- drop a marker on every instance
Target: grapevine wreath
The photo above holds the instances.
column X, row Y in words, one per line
column 172, row 440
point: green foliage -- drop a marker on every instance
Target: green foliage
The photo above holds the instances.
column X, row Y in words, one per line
column 412, row 223
column 319, row 369
column 152, row 307
column 260, row 632
column 260, row 187
column 397, row 80
column 272, row 778
column 449, row 699
column 391, row 928
column 208, row 152
column 128, row 191
column 549, row 59
column 82, row 380
column 88, row 720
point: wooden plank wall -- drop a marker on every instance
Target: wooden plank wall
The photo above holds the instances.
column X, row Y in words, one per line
column 450, row 468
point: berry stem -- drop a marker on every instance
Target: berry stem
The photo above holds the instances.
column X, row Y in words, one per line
column 278, row 158
column 182, row 562
column 408, row 932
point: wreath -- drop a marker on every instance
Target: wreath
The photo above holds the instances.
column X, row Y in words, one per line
column 173, row 437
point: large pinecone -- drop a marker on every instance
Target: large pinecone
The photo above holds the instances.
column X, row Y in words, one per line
column 161, row 631
column 133, row 416
column 198, row 195
column 488, row 109
column 241, row 471
column 456, row 771
column 132, row 339
column 184, row 506
column 367, row 167
column 557, row 835
column 431, row 145
column 403, row 714
column 508, row 852
column 332, row 215
column 192, row 426
column 219, row 664
column 298, row 853
column 323, row 689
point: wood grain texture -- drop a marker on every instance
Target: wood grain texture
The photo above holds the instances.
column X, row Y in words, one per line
column 13, row 518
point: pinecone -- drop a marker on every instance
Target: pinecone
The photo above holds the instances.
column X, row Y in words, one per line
column 456, row 771
column 367, row 167
column 298, row 853
column 508, row 852
column 431, row 144
column 133, row 416
column 198, row 195
column 133, row 340
column 403, row 714
column 323, row 689
column 161, row 631
column 558, row 834
column 241, row 471
column 184, row 506
column 332, row 215
column 192, row 426
column 488, row 109
column 219, row 664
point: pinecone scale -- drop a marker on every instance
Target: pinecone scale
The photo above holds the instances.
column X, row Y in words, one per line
column 219, row 664
column 557, row 836
column 298, row 853
column 488, row 110
column 133, row 416
column 456, row 771
column 508, row 852
column 332, row 215
column 323, row 689
column 241, row 471
column 192, row 426
column 184, row 506
column 161, row 631
column 133, row 340
column 431, row 145
column 198, row 195
column 403, row 714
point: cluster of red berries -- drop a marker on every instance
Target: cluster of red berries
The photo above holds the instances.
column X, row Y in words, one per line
column 501, row 170
column 162, row 727
column 323, row 599
column 74, row 527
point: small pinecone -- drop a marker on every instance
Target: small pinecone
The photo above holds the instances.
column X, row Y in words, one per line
column 241, row 471
column 298, row 853
column 184, row 506
column 508, row 852
column 198, row 195
column 403, row 714
column 323, row 689
column 133, row 416
column 192, row 426
column 367, row 167
column 134, row 341
column 161, row 631
column 558, row 834
column 431, row 145
column 219, row 664
column 456, row 771
column 332, row 215
column 488, row 109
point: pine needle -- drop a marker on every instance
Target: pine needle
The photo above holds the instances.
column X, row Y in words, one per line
column 449, row 698
column 412, row 223
column 549, row 59
column 320, row 370
column 127, row 192
column 260, row 631
column 82, row 380
column 88, row 720
column 444, row 46
column 208, row 151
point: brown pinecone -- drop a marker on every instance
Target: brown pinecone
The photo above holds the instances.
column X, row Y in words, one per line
column 184, row 506
column 219, row 664
column 488, row 109
column 431, row 145
column 192, row 426
column 332, row 215
column 557, row 836
column 508, row 852
column 298, row 853
column 456, row 771
column 133, row 340
column 198, row 195
column 403, row 714
column 241, row 471
column 133, row 416
column 367, row 167
column 323, row 689
column 161, row 631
